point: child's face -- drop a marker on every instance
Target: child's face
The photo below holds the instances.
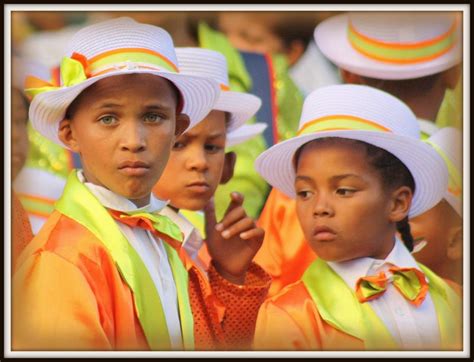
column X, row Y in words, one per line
column 19, row 132
column 195, row 166
column 342, row 206
column 438, row 227
column 123, row 127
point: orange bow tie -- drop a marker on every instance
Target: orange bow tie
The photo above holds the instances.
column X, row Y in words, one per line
column 410, row 282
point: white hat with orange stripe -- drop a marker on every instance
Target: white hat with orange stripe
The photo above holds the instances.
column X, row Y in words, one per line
column 448, row 143
column 365, row 114
column 109, row 48
column 392, row 45
column 211, row 64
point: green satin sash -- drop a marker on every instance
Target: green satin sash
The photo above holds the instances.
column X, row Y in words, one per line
column 78, row 203
column 338, row 306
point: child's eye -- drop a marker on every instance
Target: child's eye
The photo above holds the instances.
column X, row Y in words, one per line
column 345, row 192
column 212, row 148
column 153, row 117
column 108, row 120
column 303, row 194
column 178, row 145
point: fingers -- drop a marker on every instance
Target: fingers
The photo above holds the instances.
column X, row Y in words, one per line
column 231, row 218
column 210, row 216
column 236, row 200
column 255, row 233
column 238, row 227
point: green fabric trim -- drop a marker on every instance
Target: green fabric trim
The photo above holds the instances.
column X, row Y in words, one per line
column 338, row 306
column 79, row 204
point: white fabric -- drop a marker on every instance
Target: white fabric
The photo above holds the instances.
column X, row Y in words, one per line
column 151, row 251
column 47, row 109
column 244, row 133
column 38, row 183
column 427, row 127
column 402, row 139
column 411, row 327
column 313, row 70
column 212, row 64
column 405, row 27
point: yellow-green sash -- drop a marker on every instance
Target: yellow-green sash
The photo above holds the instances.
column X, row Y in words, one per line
column 80, row 204
column 338, row 306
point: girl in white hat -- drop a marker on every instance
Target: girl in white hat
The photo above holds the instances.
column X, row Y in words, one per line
column 440, row 228
column 414, row 56
column 107, row 271
column 358, row 171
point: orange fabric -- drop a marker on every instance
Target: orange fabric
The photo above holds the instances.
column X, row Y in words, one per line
column 68, row 295
column 380, row 280
column 284, row 254
column 291, row 321
column 21, row 229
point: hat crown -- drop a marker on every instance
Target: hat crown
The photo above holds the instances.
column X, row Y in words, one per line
column 121, row 33
column 368, row 104
column 203, row 63
column 402, row 27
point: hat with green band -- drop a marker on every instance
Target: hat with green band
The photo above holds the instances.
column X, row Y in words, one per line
column 365, row 114
column 448, row 143
column 392, row 45
column 115, row 47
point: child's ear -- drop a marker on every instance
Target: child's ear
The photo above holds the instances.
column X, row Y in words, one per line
column 400, row 203
column 454, row 251
column 228, row 170
column 182, row 122
column 66, row 135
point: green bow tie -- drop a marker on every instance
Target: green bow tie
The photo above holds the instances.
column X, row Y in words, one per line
column 410, row 282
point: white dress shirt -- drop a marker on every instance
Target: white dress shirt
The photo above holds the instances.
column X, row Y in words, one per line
column 150, row 250
column 411, row 327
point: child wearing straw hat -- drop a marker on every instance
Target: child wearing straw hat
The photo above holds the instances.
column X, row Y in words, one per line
column 107, row 271
column 376, row 49
column 440, row 228
column 358, row 171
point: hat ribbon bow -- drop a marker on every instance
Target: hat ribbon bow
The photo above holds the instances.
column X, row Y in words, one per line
column 410, row 282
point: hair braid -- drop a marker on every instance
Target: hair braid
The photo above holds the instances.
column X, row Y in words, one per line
column 403, row 228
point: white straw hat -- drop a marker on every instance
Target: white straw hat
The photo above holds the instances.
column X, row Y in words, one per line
column 116, row 47
column 448, row 143
column 391, row 45
column 244, row 133
column 369, row 115
column 211, row 64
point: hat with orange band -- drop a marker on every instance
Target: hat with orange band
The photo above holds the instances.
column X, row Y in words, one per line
column 365, row 114
column 392, row 45
column 109, row 48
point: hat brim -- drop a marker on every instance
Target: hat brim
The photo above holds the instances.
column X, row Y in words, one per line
column 244, row 133
column 425, row 165
column 331, row 38
column 49, row 108
column 241, row 106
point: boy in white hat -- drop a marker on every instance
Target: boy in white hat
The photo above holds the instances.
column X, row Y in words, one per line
column 414, row 56
column 440, row 228
column 107, row 271
column 198, row 161
column 358, row 171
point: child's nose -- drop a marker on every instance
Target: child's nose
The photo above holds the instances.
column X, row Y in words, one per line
column 322, row 206
column 197, row 160
column 133, row 137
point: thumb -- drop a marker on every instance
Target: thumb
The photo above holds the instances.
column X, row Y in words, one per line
column 210, row 216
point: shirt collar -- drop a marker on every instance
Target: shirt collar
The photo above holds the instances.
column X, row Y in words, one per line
column 117, row 202
column 350, row 271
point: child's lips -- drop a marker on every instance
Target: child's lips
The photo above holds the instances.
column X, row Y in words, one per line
column 134, row 168
column 323, row 233
column 199, row 187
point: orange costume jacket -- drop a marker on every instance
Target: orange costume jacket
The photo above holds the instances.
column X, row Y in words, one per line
column 320, row 312
column 78, row 286
column 21, row 229
column 284, row 261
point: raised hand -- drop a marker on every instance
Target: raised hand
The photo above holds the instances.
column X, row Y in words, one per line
column 233, row 242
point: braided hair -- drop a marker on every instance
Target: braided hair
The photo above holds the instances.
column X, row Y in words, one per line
column 392, row 171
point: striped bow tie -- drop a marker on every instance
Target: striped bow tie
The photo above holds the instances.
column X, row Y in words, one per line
column 410, row 282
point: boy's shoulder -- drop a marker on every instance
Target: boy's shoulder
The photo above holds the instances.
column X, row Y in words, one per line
column 293, row 295
column 68, row 239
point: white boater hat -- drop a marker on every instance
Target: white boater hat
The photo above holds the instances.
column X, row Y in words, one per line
column 211, row 64
column 244, row 133
column 365, row 114
column 392, row 45
column 106, row 49
column 448, row 143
